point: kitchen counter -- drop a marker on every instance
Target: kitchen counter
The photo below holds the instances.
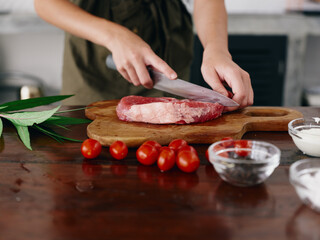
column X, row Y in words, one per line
column 53, row 193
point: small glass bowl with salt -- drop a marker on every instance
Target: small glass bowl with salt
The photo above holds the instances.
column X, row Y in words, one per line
column 244, row 163
column 305, row 177
column 305, row 133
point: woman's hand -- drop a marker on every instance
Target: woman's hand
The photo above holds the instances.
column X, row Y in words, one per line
column 218, row 69
column 130, row 53
column 132, row 56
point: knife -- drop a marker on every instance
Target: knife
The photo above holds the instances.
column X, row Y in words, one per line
column 182, row 88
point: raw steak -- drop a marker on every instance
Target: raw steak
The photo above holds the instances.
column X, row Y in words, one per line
column 165, row 110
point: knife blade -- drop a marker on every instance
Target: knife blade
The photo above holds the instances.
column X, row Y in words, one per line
column 183, row 88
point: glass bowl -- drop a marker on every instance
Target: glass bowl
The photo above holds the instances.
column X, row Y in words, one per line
column 305, row 133
column 244, row 162
column 305, row 177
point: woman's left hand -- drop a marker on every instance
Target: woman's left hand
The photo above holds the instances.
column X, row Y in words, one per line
column 218, row 69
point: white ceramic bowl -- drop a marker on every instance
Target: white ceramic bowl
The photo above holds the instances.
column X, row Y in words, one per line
column 244, row 164
column 305, row 133
column 305, row 177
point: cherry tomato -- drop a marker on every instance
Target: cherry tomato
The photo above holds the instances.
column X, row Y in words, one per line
column 238, row 144
column 147, row 154
column 187, row 161
column 177, row 143
column 229, row 142
column 90, row 148
column 118, row 150
column 207, row 154
column 218, row 148
column 187, row 148
column 166, row 159
column 164, row 147
column 154, row 143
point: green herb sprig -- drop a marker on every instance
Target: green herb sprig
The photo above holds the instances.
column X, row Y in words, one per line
column 39, row 120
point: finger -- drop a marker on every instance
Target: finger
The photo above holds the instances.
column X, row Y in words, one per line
column 143, row 75
column 132, row 75
column 125, row 75
column 163, row 67
column 212, row 78
column 250, row 90
column 239, row 88
column 251, row 100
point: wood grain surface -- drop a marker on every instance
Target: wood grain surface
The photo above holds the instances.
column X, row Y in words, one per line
column 53, row 193
column 107, row 128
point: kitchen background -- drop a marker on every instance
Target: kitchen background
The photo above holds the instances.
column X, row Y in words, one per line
column 276, row 41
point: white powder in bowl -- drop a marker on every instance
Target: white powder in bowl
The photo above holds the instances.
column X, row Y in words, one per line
column 308, row 141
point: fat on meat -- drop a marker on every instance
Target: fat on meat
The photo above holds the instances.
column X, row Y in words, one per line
column 166, row 110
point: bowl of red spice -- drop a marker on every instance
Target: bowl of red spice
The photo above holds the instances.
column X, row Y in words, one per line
column 244, row 162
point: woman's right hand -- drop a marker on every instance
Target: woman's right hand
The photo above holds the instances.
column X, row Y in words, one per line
column 132, row 55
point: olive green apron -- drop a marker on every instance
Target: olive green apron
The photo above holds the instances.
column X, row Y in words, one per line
column 164, row 24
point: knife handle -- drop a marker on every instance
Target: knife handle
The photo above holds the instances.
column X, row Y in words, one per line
column 110, row 63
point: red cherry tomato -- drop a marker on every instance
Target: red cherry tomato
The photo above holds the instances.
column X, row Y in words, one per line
column 118, row 150
column 147, row 154
column 218, row 148
column 229, row 142
column 154, row 143
column 177, row 143
column 187, row 161
column 164, row 147
column 188, row 148
column 239, row 144
column 90, row 148
column 166, row 159
column 207, row 154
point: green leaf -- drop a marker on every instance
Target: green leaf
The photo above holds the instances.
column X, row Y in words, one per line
column 75, row 109
column 31, row 103
column 47, row 133
column 62, row 120
column 53, row 134
column 1, row 127
column 24, row 135
column 29, row 118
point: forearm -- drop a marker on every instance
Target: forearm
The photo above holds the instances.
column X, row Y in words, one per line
column 76, row 21
column 210, row 18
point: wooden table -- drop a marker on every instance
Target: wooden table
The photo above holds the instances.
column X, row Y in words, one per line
column 53, row 193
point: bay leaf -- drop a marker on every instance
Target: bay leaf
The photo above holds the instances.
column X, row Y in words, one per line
column 1, row 127
column 24, row 135
column 63, row 120
column 29, row 118
column 31, row 103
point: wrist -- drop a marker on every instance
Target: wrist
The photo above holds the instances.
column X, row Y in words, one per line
column 217, row 49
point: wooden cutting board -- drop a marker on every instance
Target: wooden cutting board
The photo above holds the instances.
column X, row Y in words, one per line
column 107, row 128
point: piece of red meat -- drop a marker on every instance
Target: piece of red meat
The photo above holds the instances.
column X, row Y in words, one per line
column 165, row 110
